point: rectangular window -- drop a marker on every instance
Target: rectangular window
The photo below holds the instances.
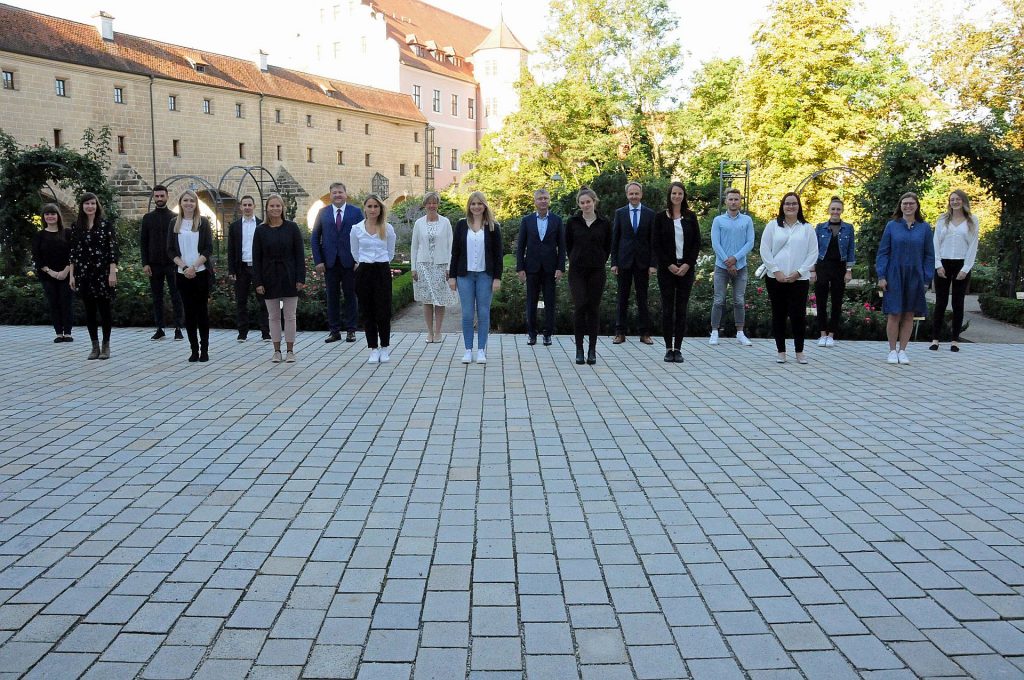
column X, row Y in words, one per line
column 119, row 95
column 401, row 169
column 471, row 109
column 172, row 102
column 278, row 152
column 60, row 87
column 277, row 115
column 435, row 158
column 416, row 137
column 455, row 159
column 437, row 101
column 207, row 106
column 341, row 125
column 337, row 50
column 121, row 146
column 341, row 158
column 416, row 170
column 57, row 138
column 175, row 148
column 238, row 111
column 241, row 150
column 309, row 154
column 309, row 120
column 455, row 104
column 415, row 95
column 367, row 160
column 8, row 80
column 366, row 128
column 362, row 44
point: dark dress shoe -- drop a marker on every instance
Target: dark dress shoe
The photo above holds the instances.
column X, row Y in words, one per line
column 532, row 340
column 178, row 335
column 619, row 339
column 934, row 346
column 68, row 338
column 194, row 357
column 350, row 337
column 204, row 356
column 334, row 336
column 579, row 357
column 954, row 348
column 242, row 337
column 677, row 356
column 159, row 334
column 646, row 339
column 591, row 357
column 59, row 338
column 266, row 337
column 670, row 356
column 547, row 341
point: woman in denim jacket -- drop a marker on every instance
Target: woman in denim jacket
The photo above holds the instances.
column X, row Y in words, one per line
column 836, row 257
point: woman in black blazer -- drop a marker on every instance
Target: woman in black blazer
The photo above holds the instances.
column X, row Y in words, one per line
column 190, row 246
column 676, row 245
column 475, row 271
column 588, row 242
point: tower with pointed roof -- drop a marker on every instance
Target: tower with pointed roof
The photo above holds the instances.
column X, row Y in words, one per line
column 498, row 62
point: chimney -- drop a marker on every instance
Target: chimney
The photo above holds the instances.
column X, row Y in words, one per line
column 105, row 25
column 261, row 60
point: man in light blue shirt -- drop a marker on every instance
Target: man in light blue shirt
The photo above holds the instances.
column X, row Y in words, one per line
column 732, row 237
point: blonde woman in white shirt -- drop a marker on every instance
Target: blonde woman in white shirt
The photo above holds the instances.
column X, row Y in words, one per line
column 431, row 254
column 956, row 247
column 789, row 250
column 373, row 248
column 190, row 246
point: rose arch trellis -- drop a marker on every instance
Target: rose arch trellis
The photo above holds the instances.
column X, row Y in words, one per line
column 905, row 166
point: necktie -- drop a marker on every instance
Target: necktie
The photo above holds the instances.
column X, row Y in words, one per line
column 636, row 221
column 337, row 219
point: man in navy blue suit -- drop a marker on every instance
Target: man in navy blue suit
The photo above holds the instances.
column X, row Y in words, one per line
column 540, row 262
column 633, row 261
column 332, row 255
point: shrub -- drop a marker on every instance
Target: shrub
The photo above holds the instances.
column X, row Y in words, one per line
column 1005, row 309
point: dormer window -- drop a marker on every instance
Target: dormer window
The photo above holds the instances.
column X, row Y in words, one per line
column 197, row 66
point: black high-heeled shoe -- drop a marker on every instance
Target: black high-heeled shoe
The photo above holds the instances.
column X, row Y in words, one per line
column 592, row 357
column 579, row 357
column 934, row 346
column 954, row 348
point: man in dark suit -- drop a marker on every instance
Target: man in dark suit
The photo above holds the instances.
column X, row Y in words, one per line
column 332, row 255
column 240, row 234
column 540, row 262
column 633, row 261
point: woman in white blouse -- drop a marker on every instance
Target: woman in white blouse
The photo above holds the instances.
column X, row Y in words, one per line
column 190, row 245
column 789, row 250
column 431, row 254
column 373, row 248
column 475, row 270
column 956, row 247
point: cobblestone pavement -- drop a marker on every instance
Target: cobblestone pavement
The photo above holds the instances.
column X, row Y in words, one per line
column 724, row 518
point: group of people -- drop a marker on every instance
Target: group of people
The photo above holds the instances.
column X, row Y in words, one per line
column 353, row 247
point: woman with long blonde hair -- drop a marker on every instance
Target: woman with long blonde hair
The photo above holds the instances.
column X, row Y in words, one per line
column 373, row 248
column 475, row 271
column 190, row 246
column 956, row 247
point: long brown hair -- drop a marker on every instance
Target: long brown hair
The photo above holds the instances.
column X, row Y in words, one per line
column 54, row 209
column 684, row 207
column 81, row 220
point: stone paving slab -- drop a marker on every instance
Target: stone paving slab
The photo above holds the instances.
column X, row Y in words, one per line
column 724, row 518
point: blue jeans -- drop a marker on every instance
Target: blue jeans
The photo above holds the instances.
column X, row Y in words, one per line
column 475, row 296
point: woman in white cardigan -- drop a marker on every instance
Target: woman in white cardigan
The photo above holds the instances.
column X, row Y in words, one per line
column 431, row 255
column 789, row 250
column 956, row 248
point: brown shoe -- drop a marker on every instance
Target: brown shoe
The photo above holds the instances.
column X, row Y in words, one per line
column 646, row 339
column 619, row 339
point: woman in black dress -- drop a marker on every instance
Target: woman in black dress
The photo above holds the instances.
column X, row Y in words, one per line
column 588, row 242
column 51, row 253
column 94, row 270
column 279, row 272
column 190, row 245
column 676, row 245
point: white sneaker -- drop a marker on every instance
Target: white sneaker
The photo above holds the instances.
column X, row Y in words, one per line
column 823, row 341
column 385, row 354
column 481, row 356
column 467, row 358
column 374, row 356
column 903, row 358
column 742, row 339
column 894, row 357
column 714, row 338
column 830, row 341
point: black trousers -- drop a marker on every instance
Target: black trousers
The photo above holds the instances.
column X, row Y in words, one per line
column 195, row 296
column 628, row 276
column 98, row 310
column 58, row 294
column 942, row 290
column 243, row 282
column 373, row 288
column 586, row 286
column 830, row 284
column 675, row 299
column 156, row 288
column 341, row 280
column 535, row 284
column 789, row 300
